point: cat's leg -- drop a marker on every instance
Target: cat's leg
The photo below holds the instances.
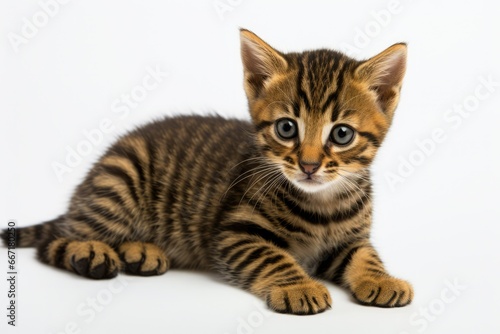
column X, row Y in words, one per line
column 256, row 259
column 92, row 259
column 144, row 259
column 359, row 268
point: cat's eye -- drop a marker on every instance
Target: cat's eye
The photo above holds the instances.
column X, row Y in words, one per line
column 286, row 128
column 342, row 135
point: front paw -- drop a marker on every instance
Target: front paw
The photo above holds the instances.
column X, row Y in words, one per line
column 383, row 292
column 308, row 297
column 143, row 259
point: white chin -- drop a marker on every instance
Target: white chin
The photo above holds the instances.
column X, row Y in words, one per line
column 311, row 186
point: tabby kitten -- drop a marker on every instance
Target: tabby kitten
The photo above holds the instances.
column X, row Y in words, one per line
column 269, row 205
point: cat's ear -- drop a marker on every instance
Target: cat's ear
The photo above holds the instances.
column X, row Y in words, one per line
column 384, row 75
column 260, row 62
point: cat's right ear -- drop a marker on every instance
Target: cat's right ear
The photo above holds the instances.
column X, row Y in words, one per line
column 260, row 62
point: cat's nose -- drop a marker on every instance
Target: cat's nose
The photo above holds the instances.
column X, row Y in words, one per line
column 309, row 167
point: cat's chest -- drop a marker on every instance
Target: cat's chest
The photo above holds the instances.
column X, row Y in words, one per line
column 309, row 250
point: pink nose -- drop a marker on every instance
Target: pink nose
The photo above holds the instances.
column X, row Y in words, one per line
column 309, row 167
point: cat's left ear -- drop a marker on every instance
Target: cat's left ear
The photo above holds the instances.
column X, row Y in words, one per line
column 384, row 75
column 260, row 62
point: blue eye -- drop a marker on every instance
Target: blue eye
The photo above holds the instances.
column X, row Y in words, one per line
column 286, row 128
column 342, row 135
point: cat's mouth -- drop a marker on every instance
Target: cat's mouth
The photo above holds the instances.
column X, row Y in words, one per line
column 311, row 183
column 310, row 180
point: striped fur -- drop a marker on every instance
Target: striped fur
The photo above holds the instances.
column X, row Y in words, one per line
column 268, row 214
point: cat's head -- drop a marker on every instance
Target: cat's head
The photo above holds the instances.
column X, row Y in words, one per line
column 320, row 115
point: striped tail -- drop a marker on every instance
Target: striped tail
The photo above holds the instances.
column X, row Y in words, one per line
column 32, row 236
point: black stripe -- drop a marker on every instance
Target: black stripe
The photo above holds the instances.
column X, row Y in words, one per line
column 296, row 109
column 336, row 62
column 359, row 150
column 42, row 250
column 393, row 297
column 288, row 307
column 376, row 295
column 370, row 137
column 264, row 264
column 122, row 174
column 266, row 148
column 110, row 193
column 233, row 246
column 279, row 222
column 351, row 212
column 251, row 257
column 248, row 227
column 376, row 271
column 340, row 270
column 287, row 273
column 328, row 101
column 130, row 154
column 332, row 96
column 314, row 82
column 277, row 269
column 362, row 160
column 262, row 125
column 317, row 218
column 374, row 263
column 106, row 214
column 311, row 217
column 309, row 306
column 356, row 230
column 300, row 92
column 59, row 255
column 239, row 253
column 348, row 112
column 289, row 280
column 338, row 88
column 400, row 298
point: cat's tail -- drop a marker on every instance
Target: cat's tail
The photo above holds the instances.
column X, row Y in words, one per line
column 31, row 236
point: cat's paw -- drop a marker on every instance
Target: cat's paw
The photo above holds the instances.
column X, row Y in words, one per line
column 383, row 292
column 308, row 297
column 143, row 259
column 93, row 259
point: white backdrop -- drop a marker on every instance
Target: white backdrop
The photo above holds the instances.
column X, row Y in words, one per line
column 74, row 70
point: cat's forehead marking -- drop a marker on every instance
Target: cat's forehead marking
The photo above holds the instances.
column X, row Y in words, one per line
column 321, row 79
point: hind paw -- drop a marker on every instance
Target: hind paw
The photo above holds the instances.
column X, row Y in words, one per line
column 93, row 259
column 143, row 259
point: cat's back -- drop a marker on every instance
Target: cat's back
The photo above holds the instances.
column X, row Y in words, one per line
column 169, row 177
column 177, row 156
column 193, row 146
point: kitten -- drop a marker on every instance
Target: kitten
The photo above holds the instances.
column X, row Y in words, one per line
column 269, row 205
